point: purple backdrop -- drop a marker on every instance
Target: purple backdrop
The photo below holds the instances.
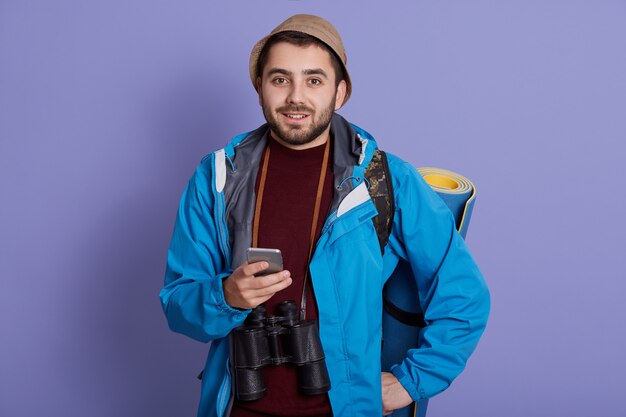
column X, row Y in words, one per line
column 107, row 107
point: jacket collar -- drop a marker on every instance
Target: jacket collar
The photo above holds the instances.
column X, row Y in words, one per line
column 352, row 145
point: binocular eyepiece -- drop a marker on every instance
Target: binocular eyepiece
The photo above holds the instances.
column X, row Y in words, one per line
column 258, row 343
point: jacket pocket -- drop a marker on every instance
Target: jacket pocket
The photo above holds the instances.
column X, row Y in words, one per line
column 355, row 225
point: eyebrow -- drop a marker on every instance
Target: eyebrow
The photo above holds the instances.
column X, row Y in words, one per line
column 313, row 71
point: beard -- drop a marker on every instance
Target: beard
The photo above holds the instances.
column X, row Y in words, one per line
column 299, row 135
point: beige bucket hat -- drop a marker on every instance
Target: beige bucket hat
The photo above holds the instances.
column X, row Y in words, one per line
column 314, row 26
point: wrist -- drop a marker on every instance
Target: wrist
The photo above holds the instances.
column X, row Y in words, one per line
column 220, row 298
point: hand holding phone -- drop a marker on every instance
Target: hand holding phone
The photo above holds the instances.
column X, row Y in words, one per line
column 256, row 281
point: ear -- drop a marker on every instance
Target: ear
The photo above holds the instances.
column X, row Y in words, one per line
column 340, row 95
column 259, row 90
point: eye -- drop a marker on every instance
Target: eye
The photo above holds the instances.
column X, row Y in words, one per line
column 315, row 81
column 279, row 80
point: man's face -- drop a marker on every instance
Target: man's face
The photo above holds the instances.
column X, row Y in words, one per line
column 298, row 95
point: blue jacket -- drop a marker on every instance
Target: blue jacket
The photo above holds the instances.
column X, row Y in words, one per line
column 348, row 271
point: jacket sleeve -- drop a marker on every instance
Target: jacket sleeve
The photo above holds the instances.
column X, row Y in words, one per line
column 452, row 291
column 193, row 298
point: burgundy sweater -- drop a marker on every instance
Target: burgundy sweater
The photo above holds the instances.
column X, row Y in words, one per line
column 285, row 223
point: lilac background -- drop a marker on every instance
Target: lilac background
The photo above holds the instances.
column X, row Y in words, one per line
column 107, row 107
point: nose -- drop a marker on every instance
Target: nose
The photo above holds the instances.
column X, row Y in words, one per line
column 296, row 94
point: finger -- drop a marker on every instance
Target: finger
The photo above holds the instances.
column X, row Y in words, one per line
column 263, row 294
column 270, row 290
column 263, row 299
column 254, row 268
column 271, row 279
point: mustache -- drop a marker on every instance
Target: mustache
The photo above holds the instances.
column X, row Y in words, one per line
column 294, row 109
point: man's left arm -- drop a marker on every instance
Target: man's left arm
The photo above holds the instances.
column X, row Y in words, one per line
column 452, row 291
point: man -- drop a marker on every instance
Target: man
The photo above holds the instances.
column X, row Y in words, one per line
column 297, row 184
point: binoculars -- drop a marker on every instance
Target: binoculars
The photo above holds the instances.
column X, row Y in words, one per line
column 258, row 343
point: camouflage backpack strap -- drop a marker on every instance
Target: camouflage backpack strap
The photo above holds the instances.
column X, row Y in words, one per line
column 381, row 191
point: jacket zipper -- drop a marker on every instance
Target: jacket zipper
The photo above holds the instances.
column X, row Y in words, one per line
column 223, row 396
column 222, row 228
column 221, row 222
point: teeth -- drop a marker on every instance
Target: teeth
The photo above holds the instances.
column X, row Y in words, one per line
column 296, row 116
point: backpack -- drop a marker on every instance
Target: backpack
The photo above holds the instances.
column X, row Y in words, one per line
column 460, row 203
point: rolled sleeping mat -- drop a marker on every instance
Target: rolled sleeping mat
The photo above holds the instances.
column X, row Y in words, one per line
column 401, row 316
column 456, row 191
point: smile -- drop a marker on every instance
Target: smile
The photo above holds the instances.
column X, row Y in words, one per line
column 295, row 116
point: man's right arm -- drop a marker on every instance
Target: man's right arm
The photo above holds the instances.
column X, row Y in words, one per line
column 193, row 297
column 201, row 297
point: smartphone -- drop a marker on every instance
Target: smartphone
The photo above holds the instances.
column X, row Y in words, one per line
column 272, row 256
